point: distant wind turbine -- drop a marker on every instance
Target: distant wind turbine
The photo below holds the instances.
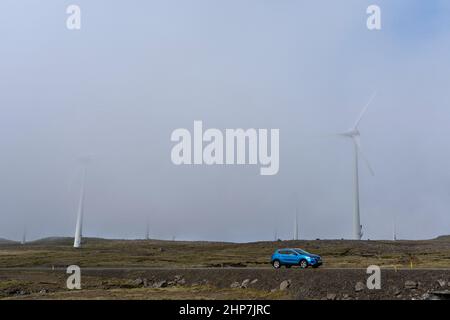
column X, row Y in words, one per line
column 394, row 230
column 24, row 235
column 80, row 214
column 296, row 225
column 147, row 231
column 354, row 134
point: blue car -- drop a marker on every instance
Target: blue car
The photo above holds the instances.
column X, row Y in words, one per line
column 294, row 257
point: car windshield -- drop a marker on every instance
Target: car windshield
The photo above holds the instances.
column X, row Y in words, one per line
column 301, row 251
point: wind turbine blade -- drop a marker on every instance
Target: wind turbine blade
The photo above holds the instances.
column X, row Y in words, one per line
column 364, row 110
column 358, row 147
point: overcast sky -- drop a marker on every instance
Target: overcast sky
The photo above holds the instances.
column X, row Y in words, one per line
column 137, row 70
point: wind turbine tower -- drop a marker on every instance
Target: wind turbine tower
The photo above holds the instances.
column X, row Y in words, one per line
column 24, row 236
column 79, row 226
column 147, row 231
column 354, row 134
column 296, row 226
column 394, row 231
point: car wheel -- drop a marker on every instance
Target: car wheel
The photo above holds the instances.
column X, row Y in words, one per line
column 303, row 264
column 276, row 264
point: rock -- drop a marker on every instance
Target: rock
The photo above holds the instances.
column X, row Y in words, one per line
column 254, row 281
column 138, row 282
column 160, row 284
column 331, row 296
column 346, row 297
column 425, row 296
column 43, row 291
column 359, row 286
column 145, row 282
column 411, row 284
column 178, row 277
column 440, row 295
column 161, row 250
column 245, row 283
column 441, row 283
column 274, row 290
column 397, row 292
column 285, row 285
column 181, row 282
column 235, row 285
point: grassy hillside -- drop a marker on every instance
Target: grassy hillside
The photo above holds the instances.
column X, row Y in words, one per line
column 6, row 241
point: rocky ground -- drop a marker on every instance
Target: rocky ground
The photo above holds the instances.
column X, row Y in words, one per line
column 151, row 270
column 226, row 283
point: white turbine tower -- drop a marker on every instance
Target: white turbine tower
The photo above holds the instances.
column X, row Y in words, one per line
column 296, row 225
column 79, row 227
column 394, row 230
column 24, row 235
column 353, row 133
column 147, row 231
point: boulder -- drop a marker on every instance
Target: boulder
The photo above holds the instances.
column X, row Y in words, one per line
column 160, row 284
column 331, row 296
column 359, row 286
column 138, row 282
column 411, row 284
column 245, row 283
column 235, row 285
column 285, row 285
column 442, row 283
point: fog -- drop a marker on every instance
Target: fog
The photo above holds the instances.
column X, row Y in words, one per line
column 137, row 70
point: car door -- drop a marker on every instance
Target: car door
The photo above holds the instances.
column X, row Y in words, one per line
column 284, row 256
column 293, row 257
column 289, row 257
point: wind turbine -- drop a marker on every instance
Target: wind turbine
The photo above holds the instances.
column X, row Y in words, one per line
column 147, row 231
column 79, row 226
column 394, row 230
column 354, row 134
column 296, row 225
column 24, row 235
